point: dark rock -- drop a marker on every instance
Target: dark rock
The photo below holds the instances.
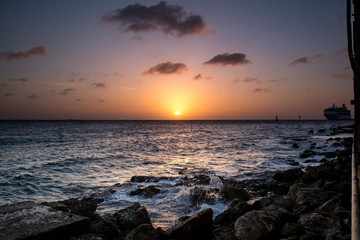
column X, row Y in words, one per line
column 260, row 224
column 147, row 192
column 82, row 207
column 224, row 233
column 321, row 130
column 199, row 195
column 288, row 176
column 235, row 209
column 231, row 191
column 27, row 220
column 280, row 188
column 309, row 196
column 317, row 225
column 105, row 226
column 293, row 163
column 141, row 179
column 295, row 145
column 311, row 131
column 132, row 217
column 89, row 236
column 147, row 232
column 198, row 226
column 307, row 153
column 289, row 230
column 200, row 179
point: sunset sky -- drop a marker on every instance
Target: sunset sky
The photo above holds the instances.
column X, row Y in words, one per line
column 204, row 59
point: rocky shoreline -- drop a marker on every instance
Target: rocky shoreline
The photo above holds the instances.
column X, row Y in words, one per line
column 310, row 203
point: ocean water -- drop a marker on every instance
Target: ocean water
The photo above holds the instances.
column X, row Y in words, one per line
column 56, row 160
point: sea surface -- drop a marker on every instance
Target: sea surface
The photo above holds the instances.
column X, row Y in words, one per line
column 57, row 160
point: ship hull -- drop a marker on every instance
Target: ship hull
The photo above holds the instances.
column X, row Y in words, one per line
column 337, row 117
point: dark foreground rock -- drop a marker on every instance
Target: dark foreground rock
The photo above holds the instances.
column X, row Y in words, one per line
column 27, row 220
column 198, row 226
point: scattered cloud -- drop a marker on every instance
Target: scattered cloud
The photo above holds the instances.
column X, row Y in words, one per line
column 36, row 51
column 114, row 74
column 21, row 80
column 229, row 59
column 306, row 60
column 200, row 76
column 34, row 96
column 247, row 80
column 167, row 68
column 3, row 85
column 9, row 94
column 263, row 90
column 168, row 18
column 252, row 79
column 67, row 91
column 343, row 76
column 99, row 85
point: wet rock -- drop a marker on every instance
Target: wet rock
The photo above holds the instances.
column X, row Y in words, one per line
column 89, row 236
column 293, row 162
column 260, row 223
column 313, row 146
column 132, row 217
column 280, row 188
column 317, row 225
column 147, row 192
column 200, row 179
column 224, row 233
column 235, row 209
column 230, row 192
column 295, row 145
column 141, row 179
column 104, row 226
column 311, row 197
column 27, row 220
column 288, row 176
column 199, row 195
column 321, row 130
column 81, row 207
column 147, row 232
column 289, row 230
column 307, row 153
column 198, row 226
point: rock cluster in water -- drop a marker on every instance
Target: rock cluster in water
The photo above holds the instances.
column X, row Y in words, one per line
column 314, row 203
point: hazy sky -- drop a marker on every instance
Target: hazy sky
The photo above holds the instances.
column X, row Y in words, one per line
column 207, row 59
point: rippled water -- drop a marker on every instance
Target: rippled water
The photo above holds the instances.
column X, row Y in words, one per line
column 54, row 160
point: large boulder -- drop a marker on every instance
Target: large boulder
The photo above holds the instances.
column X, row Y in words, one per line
column 147, row 232
column 28, row 220
column 258, row 224
column 231, row 192
column 235, row 209
column 311, row 197
column 288, row 176
column 198, row 226
column 132, row 217
column 317, row 225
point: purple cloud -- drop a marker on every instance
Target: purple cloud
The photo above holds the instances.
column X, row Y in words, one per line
column 168, row 18
column 167, row 68
column 36, row 51
column 229, row 59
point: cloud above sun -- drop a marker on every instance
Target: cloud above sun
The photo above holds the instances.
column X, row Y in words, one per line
column 165, row 17
column 167, row 68
column 36, row 51
column 229, row 59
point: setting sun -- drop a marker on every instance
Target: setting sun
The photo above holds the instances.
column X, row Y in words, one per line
column 177, row 113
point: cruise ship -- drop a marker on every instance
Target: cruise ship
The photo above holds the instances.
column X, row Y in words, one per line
column 337, row 113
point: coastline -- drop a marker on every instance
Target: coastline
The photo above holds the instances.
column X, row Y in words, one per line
column 297, row 203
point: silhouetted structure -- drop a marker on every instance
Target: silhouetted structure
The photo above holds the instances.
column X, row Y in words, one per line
column 353, row 34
